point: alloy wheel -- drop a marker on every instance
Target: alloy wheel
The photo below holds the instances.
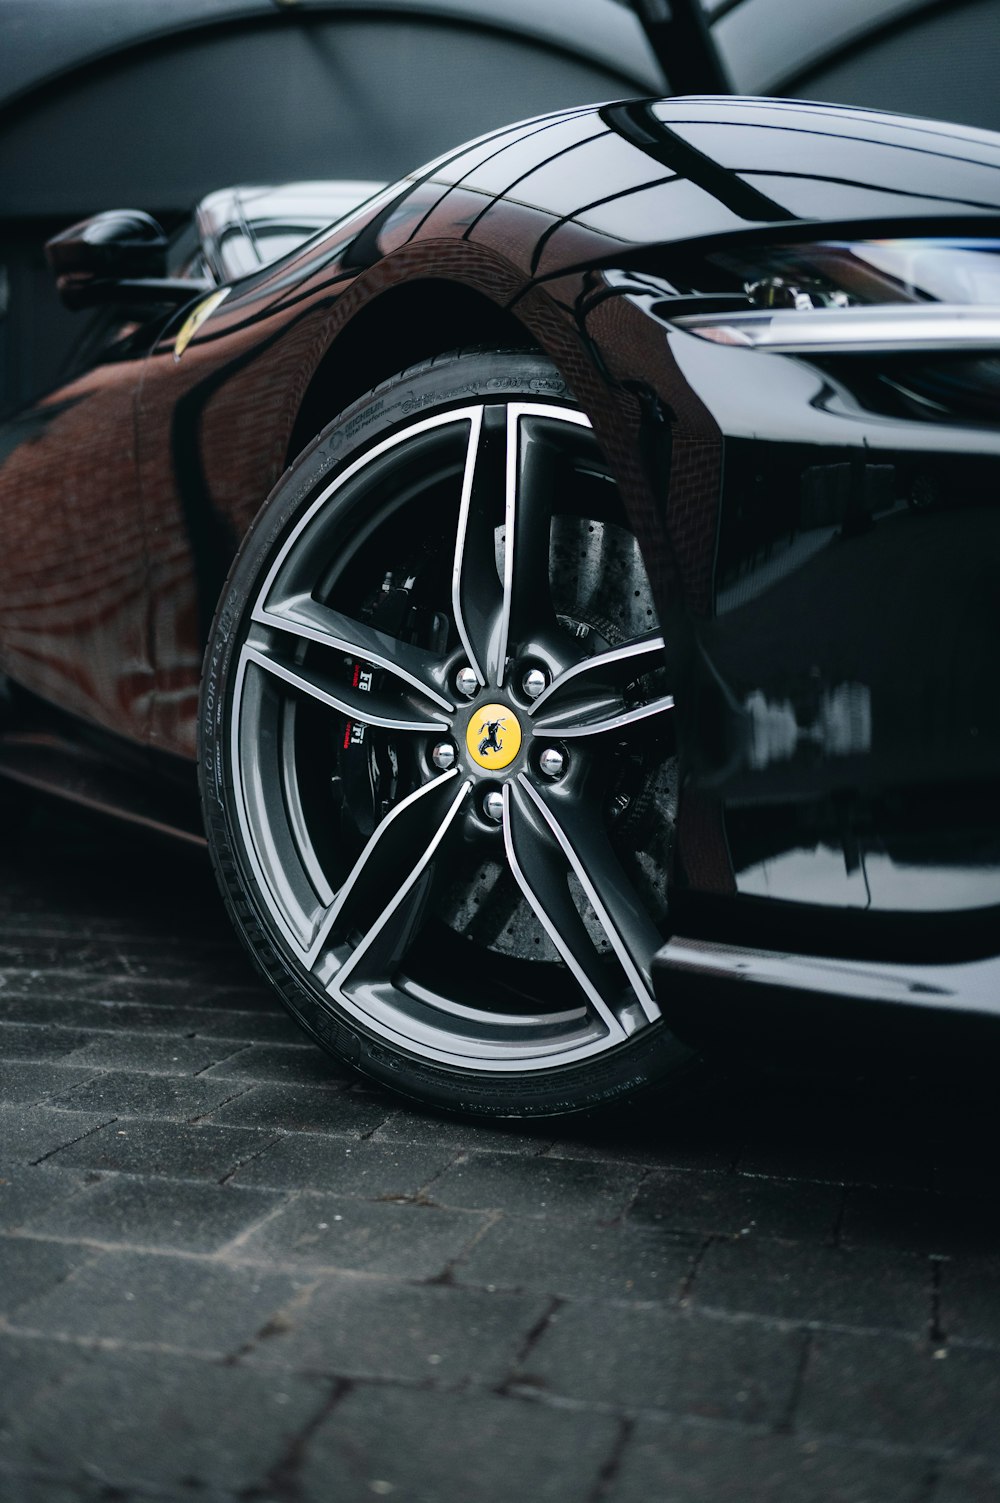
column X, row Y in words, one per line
column 450, row 744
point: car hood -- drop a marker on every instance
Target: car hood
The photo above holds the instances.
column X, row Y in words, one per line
column 646, row 172
column 589, row 186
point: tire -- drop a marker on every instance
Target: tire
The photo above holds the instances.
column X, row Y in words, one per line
column 442, row 907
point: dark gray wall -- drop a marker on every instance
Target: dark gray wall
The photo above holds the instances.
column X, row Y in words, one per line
column 266, row 99
column 943, row 65
column 369, row 97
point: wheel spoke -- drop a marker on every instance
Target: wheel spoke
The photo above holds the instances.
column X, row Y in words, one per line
column 619, row 909
column 605, row 672
column 373, row 707
column 586, row 700
column 540, row 871
column 476, row 593
column 596, row 719
column 304, row 617
column 527, row 608
column 399, row 859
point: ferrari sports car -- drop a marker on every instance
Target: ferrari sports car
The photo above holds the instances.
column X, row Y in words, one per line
column 571, row 569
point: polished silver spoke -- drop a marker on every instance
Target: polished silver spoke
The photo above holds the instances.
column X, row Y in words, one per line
column 526, row 610
column 540, row 871
column 401, row 862
column 476, row 593
column 306, row 618
column 605, row 670
column 620, row 912
column 369, row 707
column 410, row 825
column 510, row 479
column 598, row 720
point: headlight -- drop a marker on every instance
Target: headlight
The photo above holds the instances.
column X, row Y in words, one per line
column 885, row 296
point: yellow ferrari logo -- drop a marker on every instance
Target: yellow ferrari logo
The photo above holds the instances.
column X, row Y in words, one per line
column 493, row 737
column 195, row 319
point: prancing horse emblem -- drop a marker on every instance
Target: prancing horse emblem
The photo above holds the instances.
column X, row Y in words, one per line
column 493, row 736
column 491, row 741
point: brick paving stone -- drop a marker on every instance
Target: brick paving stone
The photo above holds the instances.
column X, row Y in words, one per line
column 406, row 1241
column 130, row 955
column 665, row 1153
column 967, row 1484
column 27, row 1189
column 173, row 1019
column 153, row 989
column 297, row 1064
column 300, row 1108
column 852, row 1140
column 30, row 1371
column 186, row 1151
column 159, row 1299
column 29, row 1268
column 415, row 1126
column 737, row 1204
column 28, row 1134
column 537, row 1186
column 315, row 1334
column 25, row 1081
column 649, row 1133
column 920, row 1222
column 37, row 1041
column 349, row 1327
column 186, row 1427
column 898, row 1392
column 834, row 1160
column 653, row 1358
column 156, row 1056
column 579, row 1259
column 174, row 1215
column 467, row 1447
column 970, row 1299
column 806, row 1282
column 87, row 1018
column 25, row 1488
column 965, row 1162
column 687, row 1463
column 257, row 999
column 374, row 1171
column 257, row 1027
column 130, row 1094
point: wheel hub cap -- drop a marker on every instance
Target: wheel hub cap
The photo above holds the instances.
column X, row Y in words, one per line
column 493, row 737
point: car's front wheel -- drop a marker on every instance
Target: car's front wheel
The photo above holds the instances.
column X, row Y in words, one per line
column 437, row 756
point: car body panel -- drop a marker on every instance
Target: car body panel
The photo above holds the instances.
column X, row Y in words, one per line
column 830, row 637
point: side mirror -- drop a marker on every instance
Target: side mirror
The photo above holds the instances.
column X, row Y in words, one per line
column 116, row 257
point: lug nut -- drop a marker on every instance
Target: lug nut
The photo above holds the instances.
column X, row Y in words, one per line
column 534, row 682
column 466, row 682
column 493, row 806
column 443, row 755
column 552, row 762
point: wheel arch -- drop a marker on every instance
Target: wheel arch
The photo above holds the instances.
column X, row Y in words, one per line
column 399, row 328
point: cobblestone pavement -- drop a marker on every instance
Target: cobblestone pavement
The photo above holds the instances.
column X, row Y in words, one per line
column 229, row 1272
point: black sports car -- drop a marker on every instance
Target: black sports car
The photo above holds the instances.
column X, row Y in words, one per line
column 573, row 568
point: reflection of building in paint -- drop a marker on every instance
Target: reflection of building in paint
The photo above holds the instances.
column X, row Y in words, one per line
column 841, row 726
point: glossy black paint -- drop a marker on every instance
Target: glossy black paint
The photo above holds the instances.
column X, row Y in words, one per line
column 822, row 557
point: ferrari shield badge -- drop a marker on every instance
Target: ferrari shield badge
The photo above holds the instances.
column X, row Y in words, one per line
column 196, row 318
column 493, row 737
